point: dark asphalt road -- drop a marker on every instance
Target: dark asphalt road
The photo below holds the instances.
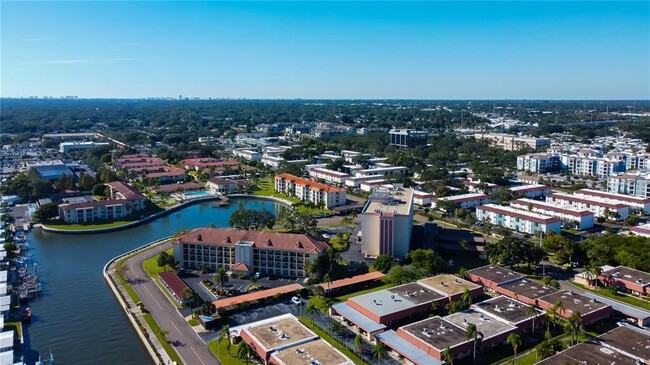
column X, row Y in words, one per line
column 192, row 350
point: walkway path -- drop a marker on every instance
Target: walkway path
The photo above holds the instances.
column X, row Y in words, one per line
column 192, row 350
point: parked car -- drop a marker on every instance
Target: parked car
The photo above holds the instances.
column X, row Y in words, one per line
column 296, row 300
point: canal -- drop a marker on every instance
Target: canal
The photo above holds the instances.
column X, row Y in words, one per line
column 78, row 319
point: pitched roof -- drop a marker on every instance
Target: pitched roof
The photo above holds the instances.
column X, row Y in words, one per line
column 97, row 203
column 128, row 191
column 312, row 184
column 176, row 284
column 238, row 266
column 257, row 295
column 260, row 240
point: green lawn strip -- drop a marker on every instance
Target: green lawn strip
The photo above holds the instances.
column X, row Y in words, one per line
column 129, row 290
column 151, row 267
column 84, row 227
column 162, row 338
column 18, row 327
column 619, row 297
column 343, row 298
column 325, row 336
column 193, row 322
column 218, row 348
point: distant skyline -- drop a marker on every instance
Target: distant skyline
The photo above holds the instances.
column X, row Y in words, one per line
column 334, row 50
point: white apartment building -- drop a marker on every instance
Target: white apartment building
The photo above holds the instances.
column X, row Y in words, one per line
column 531, row 191
column 331, row 176
column 518, row 220
column 630, row 183
column 511, row 142
column 642, row 230
column 636, row 204
column 247, row 154
column 538, row 162
column 65, row 147
column 387, row 222
column 101, row 210
column 422, row 198
column 600, row 207
column 581, row 219
column 220, row 185
column 380, row 171
column 467, row 201
column 370, row 185
column 311, row 191
column 477, row 186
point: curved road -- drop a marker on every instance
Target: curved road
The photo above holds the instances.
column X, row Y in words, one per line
column 192, row 350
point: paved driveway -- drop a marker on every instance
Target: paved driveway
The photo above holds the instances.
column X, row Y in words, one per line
column 191, row 349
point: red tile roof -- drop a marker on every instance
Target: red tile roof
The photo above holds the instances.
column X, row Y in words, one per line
column 375, row 275
column 97, row 203
column 172, row 188
column 176, row 284
column 261, row 240
column 262, row 294
column 312, row 184
column 128, row 191
column 238, row 266
column 208, row 162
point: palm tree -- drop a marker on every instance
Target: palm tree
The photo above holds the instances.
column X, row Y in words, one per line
column 327, row 305
column 318, row 291
column 328, row 280
column 337, row 328
column 187, row 295
column 592, row 271
column 515, row 341
column 572, row 327
column 531, row 312
column 378, row 351
column 448, row 356
column 244, row 351
column 358, row 345
column 471, row 332
column 221, row 277
column 467, row 297
column 311, row 310
column 225, row 333
column 462, row 272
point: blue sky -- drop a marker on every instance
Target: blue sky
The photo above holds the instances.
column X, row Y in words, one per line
column 424, row 50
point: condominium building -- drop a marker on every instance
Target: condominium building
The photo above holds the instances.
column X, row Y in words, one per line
column 511, row 142
column 580, row 219
column 408, row 138
column 269, row 253
column 66, row 147
column 387, row 222
column 467, row 201
column 311, row 191
column 331, row 176
column 247, row 154
column 538, row 162
column 124, row 191
column 630, row 183
column 642, row 230
column 636, row 204
column 581, row 164
column 518, row 220
column 531, row 191
column 101, row 210
column 601, row 208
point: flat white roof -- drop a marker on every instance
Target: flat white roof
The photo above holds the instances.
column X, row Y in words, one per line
column 529, row 187
column 397, row 201
column 523, row 214
column 464, row 197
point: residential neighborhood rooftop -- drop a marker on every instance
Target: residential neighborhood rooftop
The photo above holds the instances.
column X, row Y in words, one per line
column 624, row 273
column 448, row 284
column 437, row 332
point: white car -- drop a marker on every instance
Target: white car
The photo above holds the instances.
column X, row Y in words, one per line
column 296, row 300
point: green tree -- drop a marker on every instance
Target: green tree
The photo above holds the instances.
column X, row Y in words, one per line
column 515, row 341
column 100, row 190
column 384, row 263
column 244, row 351
column 221, row 277
column 64, row 182
column 311, row 310
column 531, row 312
column 358, row 345
column 448, row 356
column 46, row 211
column 336, row 328
column 163, row 259
column 225, row 333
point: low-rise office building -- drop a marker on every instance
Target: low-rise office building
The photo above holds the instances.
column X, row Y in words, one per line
column 601, row 208
column 581, row 219
column 269, row 253
column 311, row 191
column 408, row 138
column 518, row 220
column 626, row 279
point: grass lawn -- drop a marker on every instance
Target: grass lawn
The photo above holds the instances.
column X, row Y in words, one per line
column 129, row 290
column 219, row 349
column 637, row 302
column 325, row 336
column 267, row 188
column 83, row 227
column 18, row 327
column 151, row 267
column 162, row 338
column 193, row 322
column 345, row 297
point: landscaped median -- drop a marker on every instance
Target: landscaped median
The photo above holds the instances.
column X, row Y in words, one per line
column 129, row 299
column 86, row 227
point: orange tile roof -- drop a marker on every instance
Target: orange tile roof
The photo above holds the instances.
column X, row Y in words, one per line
column 262, row 294
column 312, row 184
column 261, row 240
column 375, row 275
